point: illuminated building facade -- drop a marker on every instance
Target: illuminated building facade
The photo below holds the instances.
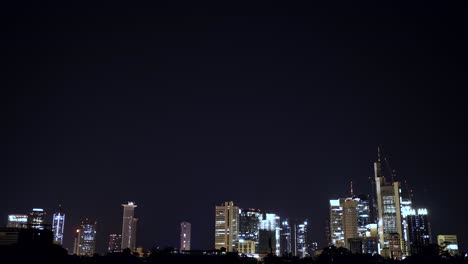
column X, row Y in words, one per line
column 58, row 222
column 115, row 243
column 85, row 238
column 336, row 223
column 185, row 235
column 227, row 226
column 129, row 223
column 269, row 234
column 418, row 230
column 249, row 224
column 350, row 220
column 286, row 238
column 389, row 211
column 36, row 218
column 448, row 243
column 363, row 213
column 17, row 220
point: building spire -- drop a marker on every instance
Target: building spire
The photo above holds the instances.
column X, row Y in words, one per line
column 378, row 153
column 352, row 193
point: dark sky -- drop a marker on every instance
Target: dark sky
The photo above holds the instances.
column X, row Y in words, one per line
column 182, row 106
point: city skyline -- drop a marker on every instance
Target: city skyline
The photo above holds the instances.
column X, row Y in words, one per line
column 180, row 108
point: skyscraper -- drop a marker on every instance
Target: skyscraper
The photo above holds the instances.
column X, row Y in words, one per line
column 36, row 218
column 448, row 243
column 85, row 239
column 226, row 226
column 17, row 220
column 269, row 234
column 336, row 223
column 129, row 226
column 185, row 235
column 389, row 211
column 249, row 224
column 418, row 230
column 58, row 222
column 363, row 213
column 115, row 243
column 350, row 220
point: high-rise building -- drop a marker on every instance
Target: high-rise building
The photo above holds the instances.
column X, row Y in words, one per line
column 418, row 230
column 336, row 223
column 363, row 213
column 295, row 240
column 185, row 235
column 448, row 243
column 17, row 220
column 129, row 227
column 371, row 240
column 226, row 226
column 249, row 226
column 85, row 238
column 286, row 242
column 36, row 218
column 389, row 211
column 269, row 234
column 350, row 220
column 58, row 222
column 115, row 243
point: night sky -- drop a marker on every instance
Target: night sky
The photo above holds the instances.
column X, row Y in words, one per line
column 182, row 106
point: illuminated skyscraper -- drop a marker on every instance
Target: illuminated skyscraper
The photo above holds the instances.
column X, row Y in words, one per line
column 286, row 238
column 363, row 213
column 129, row 227
column 269, row 234
column 185, row 235
column 350, row 220
column 58, row 222
column 36, row 218
column 418, row 230
column 336, row 223
column 115, row 243
column 389, row 211
column 85, row 238
column 17, row 220
column 249, row 224
column 226, row 226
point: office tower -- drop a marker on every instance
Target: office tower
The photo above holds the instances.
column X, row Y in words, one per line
column 86, row 238
column 77, row 242
column 336, row 223
column 286, row 238
column 185, row 235
column 350, row 220
column 36, row 218
column 129, row 226
column 363, row 213
column 269, row 234
column 418, row 230
column 394, row 246
column 226, row 226
column 115, row 243
column 301, row 247
column 448, row 243
column 371, row 240
column 389, row 210
column 58, row 222
column 17, row 220
column 249, row 223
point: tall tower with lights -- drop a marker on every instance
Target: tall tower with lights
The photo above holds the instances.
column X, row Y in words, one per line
column 58, row 222
column 129, row 226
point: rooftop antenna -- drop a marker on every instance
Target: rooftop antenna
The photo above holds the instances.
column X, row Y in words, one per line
column 392, row 172
column 352, row 193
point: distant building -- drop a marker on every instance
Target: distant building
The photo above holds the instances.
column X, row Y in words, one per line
column 350, row 220
column 269, row 234
column 390, row 220
column 36, row 218
column 286, row 242
column 185, row 235
column 418, row 230
column 58, row 222
column 371, row 240
column 336, row 223
column 394, row 246
column 227, row 226
column 363, row 213
column 295, row 240
column 129, row 223
column 249, row 226
column 448, row 243
column 85, row 239
column 17, row 220
column 115, row 243
column 356, row 245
